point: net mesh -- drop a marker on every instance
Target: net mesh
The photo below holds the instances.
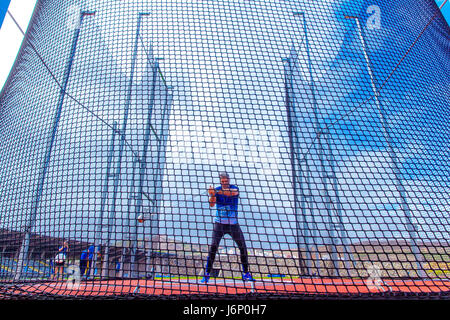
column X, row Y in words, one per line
column 329, row 117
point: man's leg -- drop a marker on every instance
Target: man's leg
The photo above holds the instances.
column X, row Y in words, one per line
column 238, row 237
column 88, row 269
column 217, row 235
column 83, row 265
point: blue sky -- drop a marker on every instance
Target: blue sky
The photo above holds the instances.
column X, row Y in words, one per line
column 445, row 9
column 22, row 10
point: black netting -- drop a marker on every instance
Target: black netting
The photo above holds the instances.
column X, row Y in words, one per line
column 330, row 119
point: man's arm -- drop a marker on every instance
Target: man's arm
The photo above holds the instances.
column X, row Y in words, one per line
column 231, row 192
column 212, row 196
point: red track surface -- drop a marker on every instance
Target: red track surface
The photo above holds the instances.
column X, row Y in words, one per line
column 187, row 287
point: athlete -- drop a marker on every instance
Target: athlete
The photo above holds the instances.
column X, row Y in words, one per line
column 86, row 259
column 226, row 200
column 60, row 260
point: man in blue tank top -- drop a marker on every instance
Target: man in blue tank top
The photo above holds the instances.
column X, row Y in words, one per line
column 226, row 199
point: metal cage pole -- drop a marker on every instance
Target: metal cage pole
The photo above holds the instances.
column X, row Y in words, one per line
column 23, row 253
column 131, row 217
column 400, row 188
column 112, row 213
column 304, row 269
column 143, row 160
column 348, row 256
column 317, row 127
column 99, row 221
column 325, row 176
column 314, row 102
column 157, row 182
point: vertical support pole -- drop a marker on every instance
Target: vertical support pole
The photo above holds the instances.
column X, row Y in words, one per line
column 143, row 158
column 99, row 221
column 157, row 176
column 133, row 219
column 294, row 163
column 401, row 189
column 112, row 213
column 325, row 176
column 23, row 253
column 348, row 256
column 305, row 203
column 316, row 121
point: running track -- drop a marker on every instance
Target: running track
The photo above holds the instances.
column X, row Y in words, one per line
column 303, row 286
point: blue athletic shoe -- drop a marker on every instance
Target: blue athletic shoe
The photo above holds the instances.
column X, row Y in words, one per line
column 205, row 279
column 247, row 277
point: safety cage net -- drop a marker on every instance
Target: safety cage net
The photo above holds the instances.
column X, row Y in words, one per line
column 276, row 148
